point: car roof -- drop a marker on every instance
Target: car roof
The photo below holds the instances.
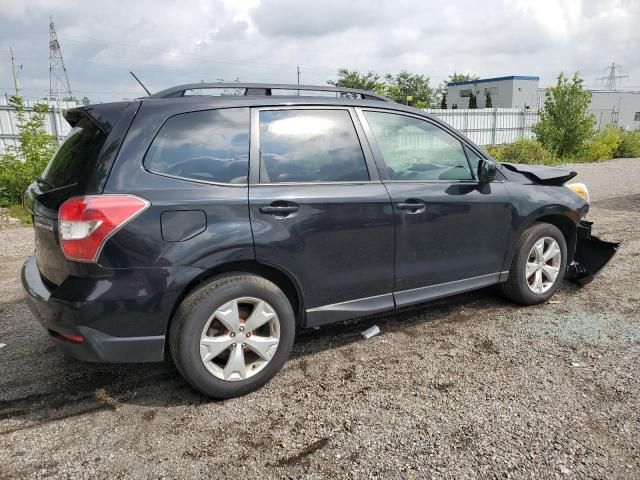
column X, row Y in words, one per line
column 210, row 101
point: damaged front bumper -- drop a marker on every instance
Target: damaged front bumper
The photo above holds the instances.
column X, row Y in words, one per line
column 590, row 256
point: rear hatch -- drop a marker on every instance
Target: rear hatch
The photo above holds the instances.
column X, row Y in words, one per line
column 79, row 167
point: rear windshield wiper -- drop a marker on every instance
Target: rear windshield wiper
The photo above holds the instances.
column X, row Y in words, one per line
column 42, row 181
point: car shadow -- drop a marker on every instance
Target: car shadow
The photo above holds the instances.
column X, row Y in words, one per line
column 81, row 388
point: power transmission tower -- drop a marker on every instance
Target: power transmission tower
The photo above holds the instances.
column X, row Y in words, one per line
column 610, row 80
column 57, row 71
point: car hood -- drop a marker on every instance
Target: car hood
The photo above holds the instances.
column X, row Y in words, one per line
column 541, row 174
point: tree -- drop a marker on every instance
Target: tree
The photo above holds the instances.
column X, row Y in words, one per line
column 354, row 79
column 473, row 100
column 565, row 124
column 488, row 103
column 443, row 102
column 30, row 157
column 400, row 86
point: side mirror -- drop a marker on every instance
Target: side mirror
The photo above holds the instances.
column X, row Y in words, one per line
column 486, row 171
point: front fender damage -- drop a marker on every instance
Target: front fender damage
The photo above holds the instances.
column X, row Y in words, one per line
column 591, row 255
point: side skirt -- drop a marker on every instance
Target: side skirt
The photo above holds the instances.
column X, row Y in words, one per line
column 433, row 292
column 388, row 301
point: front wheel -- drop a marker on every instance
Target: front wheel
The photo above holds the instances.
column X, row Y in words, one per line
column 231, row 335
column 538, row 265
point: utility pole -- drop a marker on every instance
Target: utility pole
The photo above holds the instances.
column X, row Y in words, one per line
column 298, row 72
column 57, row 69
column 15, row 75
column 610, row 80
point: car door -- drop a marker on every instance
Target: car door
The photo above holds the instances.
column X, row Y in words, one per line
column 319, row 210
column 451, row 230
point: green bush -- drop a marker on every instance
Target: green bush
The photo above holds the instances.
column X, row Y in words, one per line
column 15, row 176
column 496, row 151
column 602, row 146
column 629, row 146
column 529, row 152
column 20, row 164
column 565, row 123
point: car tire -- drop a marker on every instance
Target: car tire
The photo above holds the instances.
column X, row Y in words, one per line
column 529, row 281
column 205, row 323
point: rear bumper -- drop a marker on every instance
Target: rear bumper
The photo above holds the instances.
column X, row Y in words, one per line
column 591, row 255
column 122, row 317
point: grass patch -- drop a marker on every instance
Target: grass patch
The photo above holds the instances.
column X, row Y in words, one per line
column 19, row 212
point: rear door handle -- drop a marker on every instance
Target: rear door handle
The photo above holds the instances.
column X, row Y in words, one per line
column 277, row 209
column 412, row 205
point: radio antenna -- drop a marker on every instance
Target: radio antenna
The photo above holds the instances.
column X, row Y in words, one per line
column 141, row 84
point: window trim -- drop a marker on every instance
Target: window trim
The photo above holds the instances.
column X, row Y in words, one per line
column 254, row 150
column 245, row 184
column 381, row 164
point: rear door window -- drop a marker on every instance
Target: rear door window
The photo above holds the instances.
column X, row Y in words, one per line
column 414, row 149
column 210, row 146
column 310, row 146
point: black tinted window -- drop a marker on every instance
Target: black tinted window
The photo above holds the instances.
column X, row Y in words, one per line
column 310, row 146
column 212, row 145
column 77, row 156
column 414, row 149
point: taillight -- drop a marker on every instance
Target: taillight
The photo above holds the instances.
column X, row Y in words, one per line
column 86, row 223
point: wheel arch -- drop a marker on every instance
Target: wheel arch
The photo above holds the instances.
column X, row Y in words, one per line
column 566, row 226
column 279, row 277
column 565, row 219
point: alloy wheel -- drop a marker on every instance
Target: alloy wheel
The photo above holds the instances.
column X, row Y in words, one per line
column 543, row 265
column 240, row 338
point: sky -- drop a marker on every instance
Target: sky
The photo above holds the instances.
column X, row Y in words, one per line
column 173, row 42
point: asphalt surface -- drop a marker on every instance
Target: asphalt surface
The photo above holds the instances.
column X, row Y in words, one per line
column 469, row 387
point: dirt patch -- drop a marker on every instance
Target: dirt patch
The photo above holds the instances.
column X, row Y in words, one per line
column 302, row 454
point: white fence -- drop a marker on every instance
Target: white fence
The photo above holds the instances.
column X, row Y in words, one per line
column 54, row 123
column 485, row 126
column 490, row 126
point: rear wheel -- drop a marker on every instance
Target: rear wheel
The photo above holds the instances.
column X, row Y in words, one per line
column 232, row 335
column 538, row 265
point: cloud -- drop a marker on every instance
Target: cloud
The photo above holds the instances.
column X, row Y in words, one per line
column 168, row 43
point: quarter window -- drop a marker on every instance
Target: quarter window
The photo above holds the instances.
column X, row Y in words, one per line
column 211, row 146
column 310, row 146
column 474, row 160
column 414, row 149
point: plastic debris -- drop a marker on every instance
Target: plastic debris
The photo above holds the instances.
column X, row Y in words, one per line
column 371, row 331
column 2, row 345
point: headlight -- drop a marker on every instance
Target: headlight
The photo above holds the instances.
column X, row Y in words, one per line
column 581, row 189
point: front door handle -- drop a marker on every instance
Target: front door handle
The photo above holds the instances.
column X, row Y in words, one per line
column 280, row 209
column 412, row 205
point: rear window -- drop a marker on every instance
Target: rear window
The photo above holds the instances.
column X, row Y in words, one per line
column 211, row 146
column 76, row 158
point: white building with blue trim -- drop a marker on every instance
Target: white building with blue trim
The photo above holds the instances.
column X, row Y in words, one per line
column 515, row 91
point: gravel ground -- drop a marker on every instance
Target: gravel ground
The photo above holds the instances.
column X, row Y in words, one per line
column 469, row 387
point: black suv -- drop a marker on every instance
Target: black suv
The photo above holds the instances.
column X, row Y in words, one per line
column 211, row 228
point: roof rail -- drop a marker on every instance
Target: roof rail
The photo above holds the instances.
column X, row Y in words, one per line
column 264, row 89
